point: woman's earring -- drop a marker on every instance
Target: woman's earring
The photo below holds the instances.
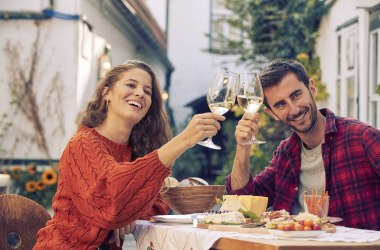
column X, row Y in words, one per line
column 107, row 102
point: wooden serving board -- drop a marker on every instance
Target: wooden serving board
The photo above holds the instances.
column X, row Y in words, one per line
column 233, row 228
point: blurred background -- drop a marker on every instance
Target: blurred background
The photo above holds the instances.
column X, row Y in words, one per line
column 53, row 52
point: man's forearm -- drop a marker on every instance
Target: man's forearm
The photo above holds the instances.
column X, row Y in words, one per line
column 240, row 171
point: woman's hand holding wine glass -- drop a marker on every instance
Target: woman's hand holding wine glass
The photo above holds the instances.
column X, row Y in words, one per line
column 250, row 97
column 220, row 98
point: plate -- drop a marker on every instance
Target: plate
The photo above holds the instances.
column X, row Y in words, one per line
column 177, row 218
column 334, row 219
column 297, row 234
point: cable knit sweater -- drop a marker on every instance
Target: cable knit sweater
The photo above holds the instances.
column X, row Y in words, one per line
column 99, row 190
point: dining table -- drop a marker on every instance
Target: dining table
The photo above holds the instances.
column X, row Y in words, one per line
column 157, row 235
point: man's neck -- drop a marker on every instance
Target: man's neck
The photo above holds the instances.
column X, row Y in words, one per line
column 316, row 135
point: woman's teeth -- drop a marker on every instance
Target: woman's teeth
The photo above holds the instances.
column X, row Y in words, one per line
column 135, row 104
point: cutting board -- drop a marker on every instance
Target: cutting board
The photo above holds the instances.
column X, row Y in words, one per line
column 233, row 228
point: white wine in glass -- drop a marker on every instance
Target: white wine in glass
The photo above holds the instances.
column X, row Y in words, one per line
column 250, row 96
column 221, row 97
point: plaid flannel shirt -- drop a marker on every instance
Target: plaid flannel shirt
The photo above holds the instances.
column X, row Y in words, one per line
column 351, row 157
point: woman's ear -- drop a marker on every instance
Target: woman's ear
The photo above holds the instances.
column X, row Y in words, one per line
column 105, row 93
column 270, row 112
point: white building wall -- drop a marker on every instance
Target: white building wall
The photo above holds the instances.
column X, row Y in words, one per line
column 56, row 63
column 327, row 48
column 65, row 60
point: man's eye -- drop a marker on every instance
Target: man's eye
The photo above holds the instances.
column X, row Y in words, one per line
column 280, row 106
column 296, row 95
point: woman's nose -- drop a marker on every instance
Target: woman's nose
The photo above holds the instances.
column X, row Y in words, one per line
column 139, row 92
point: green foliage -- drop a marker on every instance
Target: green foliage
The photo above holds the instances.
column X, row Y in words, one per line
column 276, row 29
column 378, row 89
column 314, row 71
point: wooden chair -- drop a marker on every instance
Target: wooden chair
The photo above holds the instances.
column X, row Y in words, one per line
column 20, row 219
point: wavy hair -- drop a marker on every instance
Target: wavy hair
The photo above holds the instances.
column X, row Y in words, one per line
column 148, row 134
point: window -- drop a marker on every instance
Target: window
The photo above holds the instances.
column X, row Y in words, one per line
column 221, row 31
column 347, row 71
column 351, row 98
column 374, row 81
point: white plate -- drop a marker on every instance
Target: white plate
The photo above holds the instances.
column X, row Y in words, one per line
column 297, row 234
column 334, row 219
column 177, row 218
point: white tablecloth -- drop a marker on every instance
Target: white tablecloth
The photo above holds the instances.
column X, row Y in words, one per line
column 167, row 236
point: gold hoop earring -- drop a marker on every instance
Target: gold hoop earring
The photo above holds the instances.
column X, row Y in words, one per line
column 107, row 102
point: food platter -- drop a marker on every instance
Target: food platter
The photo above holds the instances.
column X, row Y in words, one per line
column 296, row 234
column 177, row 218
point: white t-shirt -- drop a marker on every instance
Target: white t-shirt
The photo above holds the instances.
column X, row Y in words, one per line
column 312, row 177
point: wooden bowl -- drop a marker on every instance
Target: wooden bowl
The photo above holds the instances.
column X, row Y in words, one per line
column 192, row 199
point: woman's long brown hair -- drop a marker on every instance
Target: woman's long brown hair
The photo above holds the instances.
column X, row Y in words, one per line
column 151, row 132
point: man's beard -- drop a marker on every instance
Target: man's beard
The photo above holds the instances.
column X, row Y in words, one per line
column 313, row 110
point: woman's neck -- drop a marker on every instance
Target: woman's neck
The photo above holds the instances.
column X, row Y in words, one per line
column 117, row 132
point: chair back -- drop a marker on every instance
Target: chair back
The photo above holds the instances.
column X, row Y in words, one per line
column 20, row 219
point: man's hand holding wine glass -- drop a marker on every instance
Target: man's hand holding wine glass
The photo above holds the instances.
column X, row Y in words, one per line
column 247, row 128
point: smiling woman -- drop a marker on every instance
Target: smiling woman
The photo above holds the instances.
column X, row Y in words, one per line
column 112, row 169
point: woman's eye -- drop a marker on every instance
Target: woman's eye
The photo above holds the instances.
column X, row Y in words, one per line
column 148, row 92
column 130, row 85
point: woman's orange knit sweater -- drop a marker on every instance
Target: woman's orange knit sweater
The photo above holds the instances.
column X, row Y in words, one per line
column 99, row 190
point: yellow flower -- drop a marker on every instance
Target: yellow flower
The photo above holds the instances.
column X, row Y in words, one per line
column 302, row 57
column 49, row 177
column 218, row 200
column 40, row 186
column 32, row 169
column 31, row 186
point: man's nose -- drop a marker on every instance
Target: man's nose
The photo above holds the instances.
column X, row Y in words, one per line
column 293, row 109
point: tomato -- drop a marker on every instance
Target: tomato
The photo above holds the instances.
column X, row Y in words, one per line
column 288, row 227
column 299, row 227
column 308, row 223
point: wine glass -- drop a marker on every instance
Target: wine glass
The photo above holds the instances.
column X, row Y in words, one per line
column 250, row 96
column 221, row 97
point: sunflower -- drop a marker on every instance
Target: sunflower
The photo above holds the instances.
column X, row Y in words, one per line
column 32, row 169
column 40, row 186
column 49, row 177
column 31, row 186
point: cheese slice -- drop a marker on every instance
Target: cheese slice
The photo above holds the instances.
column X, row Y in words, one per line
column 254, row 204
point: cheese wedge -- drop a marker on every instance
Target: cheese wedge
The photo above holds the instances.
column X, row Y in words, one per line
column 232, row 203
column 254, row 204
